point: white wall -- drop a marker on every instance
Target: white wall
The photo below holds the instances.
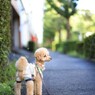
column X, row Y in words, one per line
column 37, row 18
column 31, row 19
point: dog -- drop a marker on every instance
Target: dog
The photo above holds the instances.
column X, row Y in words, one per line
column 41, row 56
column 31, row 73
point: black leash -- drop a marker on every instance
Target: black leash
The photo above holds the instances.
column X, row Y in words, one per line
column 43, row 81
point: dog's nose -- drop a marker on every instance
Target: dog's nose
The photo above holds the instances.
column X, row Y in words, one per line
column 50, row 58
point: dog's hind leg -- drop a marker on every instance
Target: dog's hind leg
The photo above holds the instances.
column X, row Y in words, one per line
column 17, row 88
column 29, row 87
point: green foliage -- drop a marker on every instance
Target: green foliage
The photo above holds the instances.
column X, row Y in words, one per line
column 65, row 8
column 59, row 47
column 89, row 47
column 87, row 22
column 69, row 46
column 4, row 33
column 7, row 80
column 66, row 47
column 50, row 27
column 5, row 89
column 80, row 48
column 52, row 23
column 8, row 73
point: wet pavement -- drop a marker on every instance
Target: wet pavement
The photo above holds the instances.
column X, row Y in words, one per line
column 66, row 75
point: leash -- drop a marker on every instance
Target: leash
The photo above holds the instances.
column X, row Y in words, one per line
column 42, row 80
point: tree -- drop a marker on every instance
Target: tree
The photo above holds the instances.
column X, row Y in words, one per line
column 84, row 21
column 49, row 28
column 66, row 8
column 53, row 23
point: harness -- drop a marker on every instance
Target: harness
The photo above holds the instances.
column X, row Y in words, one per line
column 29, row 79
column 29, row 74
column 39, row 70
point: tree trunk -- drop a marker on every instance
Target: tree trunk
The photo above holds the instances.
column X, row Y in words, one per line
column 68, row 29
column 59, row 31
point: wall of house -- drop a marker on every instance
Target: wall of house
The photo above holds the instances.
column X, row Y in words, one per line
column 30, row 14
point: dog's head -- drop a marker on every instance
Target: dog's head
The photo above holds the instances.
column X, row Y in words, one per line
column 42, row 55
column 21, row 63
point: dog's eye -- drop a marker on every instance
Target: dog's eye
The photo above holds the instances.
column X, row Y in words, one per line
column 44, row 55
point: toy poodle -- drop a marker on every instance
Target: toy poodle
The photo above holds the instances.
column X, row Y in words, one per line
column 41, row 56
column 31, row 73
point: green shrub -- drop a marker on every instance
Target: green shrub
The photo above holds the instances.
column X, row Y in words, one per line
column 4, row 34
column 80, row 48
column 89, row 47
column 5, row 89
column 69, row 46
column 8, row 74
column 7, row 80
column 59, row 47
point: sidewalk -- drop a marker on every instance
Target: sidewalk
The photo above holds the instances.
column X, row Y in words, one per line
column 21, row 52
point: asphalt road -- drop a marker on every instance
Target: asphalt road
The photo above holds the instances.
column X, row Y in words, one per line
column 66, row 75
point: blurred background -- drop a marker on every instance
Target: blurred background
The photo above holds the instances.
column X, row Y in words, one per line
column 67, row 26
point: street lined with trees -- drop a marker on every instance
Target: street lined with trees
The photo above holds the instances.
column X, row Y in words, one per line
column 81, row 26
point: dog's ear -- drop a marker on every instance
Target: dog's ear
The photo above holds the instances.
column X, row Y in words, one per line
column 38, row 57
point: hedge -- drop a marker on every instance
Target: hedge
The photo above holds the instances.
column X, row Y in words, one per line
column 80, row 48
column 4, row 34
column 85, row 48
column 66, row 47
column 89, row 47
column 69, row 46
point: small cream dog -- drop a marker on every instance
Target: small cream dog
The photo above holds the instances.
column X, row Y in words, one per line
column 30, row 72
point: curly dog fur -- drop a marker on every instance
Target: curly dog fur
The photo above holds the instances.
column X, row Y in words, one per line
column 30, row 72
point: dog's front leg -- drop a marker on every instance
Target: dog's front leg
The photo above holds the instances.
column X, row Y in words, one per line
column 29, row 87
column 38, row 88
column 17, row 88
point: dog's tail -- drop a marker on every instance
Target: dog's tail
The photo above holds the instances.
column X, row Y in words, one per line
column 21, row 74
column 21, row 65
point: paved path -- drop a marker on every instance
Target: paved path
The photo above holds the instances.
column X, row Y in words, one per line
column 66, row 75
